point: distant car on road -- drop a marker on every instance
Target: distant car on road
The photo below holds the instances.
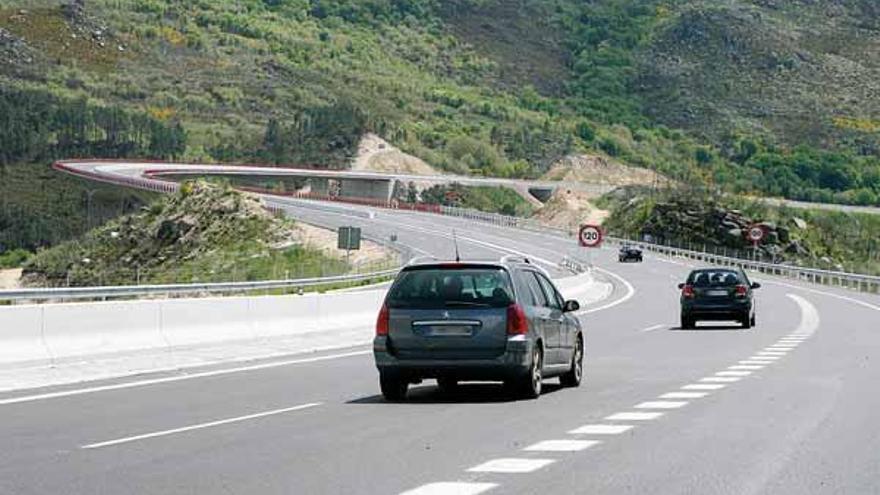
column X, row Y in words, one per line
column 718, row 294
column 459, row 321
column 629, row 252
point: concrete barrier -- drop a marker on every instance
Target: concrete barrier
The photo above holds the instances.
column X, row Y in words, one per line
column 54, row 333
column 21, row 337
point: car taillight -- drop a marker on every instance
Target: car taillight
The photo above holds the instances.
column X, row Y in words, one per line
column 741, row 290
column 688, row 291
column 382, row 322
column 517, row 324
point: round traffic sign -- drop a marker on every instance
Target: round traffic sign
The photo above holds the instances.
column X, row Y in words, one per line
column 756, row 233
column 590, row 235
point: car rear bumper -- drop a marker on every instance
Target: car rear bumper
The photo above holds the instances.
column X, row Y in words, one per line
column 733, row 311
column 513, row 362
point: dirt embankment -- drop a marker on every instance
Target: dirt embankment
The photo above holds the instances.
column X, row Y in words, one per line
column 595, row 169
column 377, row 155
column 568, row 209
column 9, row 279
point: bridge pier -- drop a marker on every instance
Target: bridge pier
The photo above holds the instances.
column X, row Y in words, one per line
column 366, row 189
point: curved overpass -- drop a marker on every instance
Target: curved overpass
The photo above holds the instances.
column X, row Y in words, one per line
column 784, row 408
column 352, row 184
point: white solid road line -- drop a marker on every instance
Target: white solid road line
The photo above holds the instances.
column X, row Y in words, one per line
column 630, row 291
column 561, row 445
column 601, row 429
column 661, row 404
column 684, row 395
column 652, row 328
column 451, row 488
column 634, row 416
column 821, row 292
column 178, row 378
column 199, row 426
column 511, row 465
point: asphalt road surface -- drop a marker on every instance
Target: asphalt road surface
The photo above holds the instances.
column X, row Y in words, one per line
column 788, row 407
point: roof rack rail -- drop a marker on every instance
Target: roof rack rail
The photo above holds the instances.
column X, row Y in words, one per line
column 419, row 259
column 515, row 258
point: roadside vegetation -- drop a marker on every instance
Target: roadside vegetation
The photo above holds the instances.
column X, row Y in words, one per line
column 204, row 233
column 697, row 220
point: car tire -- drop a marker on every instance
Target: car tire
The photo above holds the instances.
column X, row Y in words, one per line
column 753, row 320
column 746, row 321
column 528, row 385
column 575, row 374
column 393, row 386
column 687, row 323
column 447, row 384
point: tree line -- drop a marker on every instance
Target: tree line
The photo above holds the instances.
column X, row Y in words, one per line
column 38, row 126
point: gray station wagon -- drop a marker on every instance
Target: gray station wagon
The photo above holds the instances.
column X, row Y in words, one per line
column 458, row 321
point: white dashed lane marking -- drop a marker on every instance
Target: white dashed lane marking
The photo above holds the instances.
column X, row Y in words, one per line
column 601, row 429
column 753, row 362
column 703, row 386
column 561, row 445
column 733, row 373
column 764, row 358
column 634, row 416
column 511, row 465
column 659, row 404
column 684, row 395
column 720, row 379
column 746, row 367
column 451, row 488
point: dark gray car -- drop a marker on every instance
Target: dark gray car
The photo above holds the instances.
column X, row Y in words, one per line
column 718, row 294
column 503, row 321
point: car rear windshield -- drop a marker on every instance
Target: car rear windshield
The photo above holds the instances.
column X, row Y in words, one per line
column 451, row 288
column 714, row 278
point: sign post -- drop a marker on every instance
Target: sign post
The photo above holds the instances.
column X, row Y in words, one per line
column 590, row 236
column 349, row 238
column 755, row 234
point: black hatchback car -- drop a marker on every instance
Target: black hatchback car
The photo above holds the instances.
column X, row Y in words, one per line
column 459, row 321
column 629, row 253
column 718, row 294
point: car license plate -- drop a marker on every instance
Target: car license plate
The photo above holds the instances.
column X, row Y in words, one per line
column 451, row 331
column 717, row 293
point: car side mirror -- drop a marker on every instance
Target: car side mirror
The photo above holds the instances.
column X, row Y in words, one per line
column 570, row 306
column 756, row 285
column 681, row 286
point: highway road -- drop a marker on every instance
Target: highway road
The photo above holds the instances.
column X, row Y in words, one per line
column 785, row 408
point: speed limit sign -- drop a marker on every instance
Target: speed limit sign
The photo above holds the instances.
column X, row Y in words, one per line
column 590, row 236
column 756, row 233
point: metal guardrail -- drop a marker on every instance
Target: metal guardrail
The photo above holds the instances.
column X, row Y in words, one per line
column 855, row 281
column 174, row 289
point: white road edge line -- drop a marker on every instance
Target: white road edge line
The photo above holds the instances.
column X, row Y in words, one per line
column 178, row 378
column 199, row 426
column 652, row 328
column 630, row 291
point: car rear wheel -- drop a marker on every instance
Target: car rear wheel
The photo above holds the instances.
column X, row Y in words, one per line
column 575, row 374
column 753, row 320
column 528, row 386
column 687, row 322
column 393, row 386
column 746, row 321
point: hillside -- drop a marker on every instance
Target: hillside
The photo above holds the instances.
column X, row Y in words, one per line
column 203, row 233
column 755, row 96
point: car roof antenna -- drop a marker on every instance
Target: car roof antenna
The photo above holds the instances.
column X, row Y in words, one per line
column 455, row 242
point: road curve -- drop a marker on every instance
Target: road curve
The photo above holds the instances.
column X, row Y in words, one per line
column 784, row 408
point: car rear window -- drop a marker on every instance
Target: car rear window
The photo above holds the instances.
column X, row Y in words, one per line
column 714, row 278
column 451, row 288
